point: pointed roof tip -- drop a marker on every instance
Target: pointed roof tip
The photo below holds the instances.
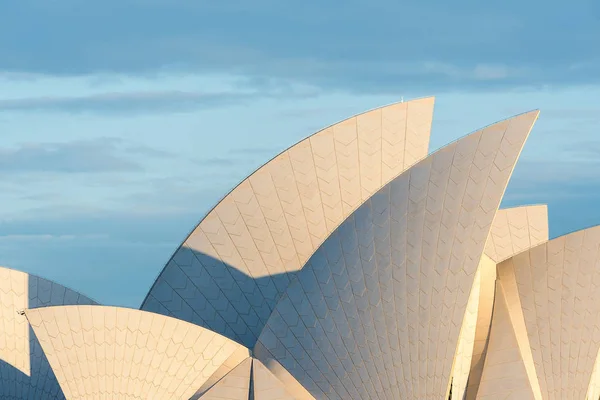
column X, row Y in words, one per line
column 529, row 118
column 523, row 116
column 416, row 99
column 535, row 112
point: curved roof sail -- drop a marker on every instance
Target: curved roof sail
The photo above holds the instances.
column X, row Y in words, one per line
column 229, row 273
column 377, row 310
column 517, row 229
column 24, row 369
column 113, row 352
column 552, row 294
column 514, row 230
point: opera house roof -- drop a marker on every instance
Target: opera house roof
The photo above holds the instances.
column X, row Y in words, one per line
column 353, row 265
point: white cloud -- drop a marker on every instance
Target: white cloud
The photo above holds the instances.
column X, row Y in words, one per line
column 491, row 72
column 48, row 237
column 46, row 91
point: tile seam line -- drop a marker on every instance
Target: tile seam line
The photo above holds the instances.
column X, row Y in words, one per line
column 190, row 233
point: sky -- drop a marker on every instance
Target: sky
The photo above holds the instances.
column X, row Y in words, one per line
column 123, row 122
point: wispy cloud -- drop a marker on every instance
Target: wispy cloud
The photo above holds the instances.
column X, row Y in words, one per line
column 83, row 156
column 470, row 44
column 48, row 237
column 125, row 103
column 240, row 156
column 127, row 95
column 100, row 224
column 486, row 72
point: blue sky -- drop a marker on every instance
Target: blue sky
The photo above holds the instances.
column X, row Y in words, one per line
column 123, row 122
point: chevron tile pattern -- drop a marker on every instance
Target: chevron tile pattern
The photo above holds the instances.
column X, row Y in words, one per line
column 232, row 362
column 554, row 304
column 229, row 273
column 514, row 230
column 234, row 386
column 562, row 274
column 24, row 369
column 377, row 310
column 110, row 352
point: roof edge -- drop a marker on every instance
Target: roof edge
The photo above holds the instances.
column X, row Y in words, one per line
column 256, row 170
column 51, row 281
column 589, row 228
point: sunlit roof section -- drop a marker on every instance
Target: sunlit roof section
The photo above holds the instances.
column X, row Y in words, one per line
column 377, row 310
column 24, row 369
column 112, row 352
column 229, row 273
column 553, row 300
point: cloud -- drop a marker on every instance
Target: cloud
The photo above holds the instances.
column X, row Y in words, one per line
column 112, row 225
column 383, row 46
column 126, row 103
column 491, row 72
column 127, row 95
column 47, row 237
column 83, row 156
column 241, row 156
